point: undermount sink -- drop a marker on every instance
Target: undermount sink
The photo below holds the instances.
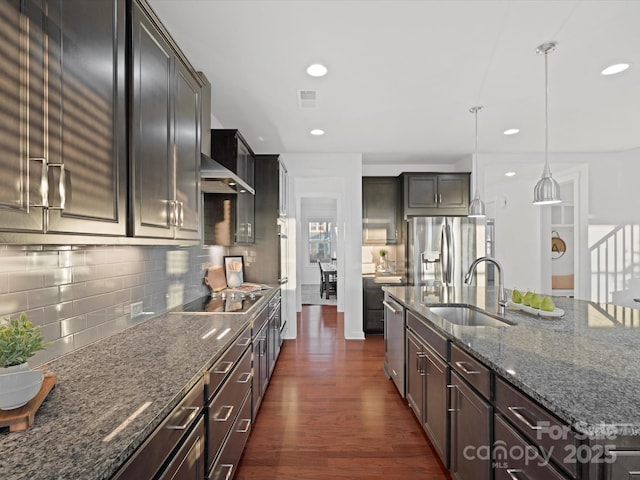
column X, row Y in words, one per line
column 469, row 317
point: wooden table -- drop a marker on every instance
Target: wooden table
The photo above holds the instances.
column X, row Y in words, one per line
column 327, row 270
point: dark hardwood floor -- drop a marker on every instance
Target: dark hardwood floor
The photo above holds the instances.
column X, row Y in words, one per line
column 330, row 412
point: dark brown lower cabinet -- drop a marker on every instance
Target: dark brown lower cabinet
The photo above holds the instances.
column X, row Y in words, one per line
column 188, row 462
column 435, row 420
column 427, row 393
column 162, row 454
column 516, row 458
column 470, row 447
column 227, row 462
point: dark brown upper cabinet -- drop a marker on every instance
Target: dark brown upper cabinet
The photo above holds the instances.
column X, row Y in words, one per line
column 435, row 194
column 63, row 125
column 165, row 131
column 230, row 149
column 381, row 207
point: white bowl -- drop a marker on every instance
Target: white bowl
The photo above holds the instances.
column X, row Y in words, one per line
column 16, row 389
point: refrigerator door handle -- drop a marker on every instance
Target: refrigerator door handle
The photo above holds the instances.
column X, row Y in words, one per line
column 446, row 254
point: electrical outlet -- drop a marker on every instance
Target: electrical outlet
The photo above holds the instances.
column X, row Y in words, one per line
column 136, row 310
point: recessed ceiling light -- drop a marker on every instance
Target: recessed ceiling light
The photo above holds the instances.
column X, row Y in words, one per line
column 613, row 69
column 511, row 131
column 509, row 174
column 317, row 70
column 317, row 131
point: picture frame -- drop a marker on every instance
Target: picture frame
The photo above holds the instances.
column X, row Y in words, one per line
column 233, row 270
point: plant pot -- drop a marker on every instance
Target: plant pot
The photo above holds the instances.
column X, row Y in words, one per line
column 23, row 367
column 18, row 385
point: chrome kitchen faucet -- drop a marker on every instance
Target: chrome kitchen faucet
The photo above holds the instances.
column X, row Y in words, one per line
column 502, row 297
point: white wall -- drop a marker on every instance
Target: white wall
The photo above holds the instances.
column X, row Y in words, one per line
column 339, row 176
column 516, row 247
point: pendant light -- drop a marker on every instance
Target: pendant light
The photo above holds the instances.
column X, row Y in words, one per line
column 547, row 190
column 476, row 209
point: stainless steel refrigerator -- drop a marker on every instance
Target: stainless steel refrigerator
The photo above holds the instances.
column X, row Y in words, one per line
column 441, row 249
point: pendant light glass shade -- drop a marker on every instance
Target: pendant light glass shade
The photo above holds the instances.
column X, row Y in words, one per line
column 476, row 208
column 547, row 190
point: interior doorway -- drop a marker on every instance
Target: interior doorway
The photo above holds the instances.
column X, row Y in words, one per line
column 318, row 243
column 566, row 239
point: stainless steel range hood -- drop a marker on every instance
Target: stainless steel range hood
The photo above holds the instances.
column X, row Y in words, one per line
column 214, row 178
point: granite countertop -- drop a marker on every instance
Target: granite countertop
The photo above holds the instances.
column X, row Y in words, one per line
column 583, row 367
column 101, row 385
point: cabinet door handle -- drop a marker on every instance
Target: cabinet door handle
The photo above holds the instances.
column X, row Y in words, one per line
column 228, row 476
column 439, row 198
column 244, row 378
column 521, row 417
column 245, row 428
column 180, row 219
column 218, row 418
column 61, row 186
column 462, row 367
column 44, row 184
column 172, row 212
column 227, row 367
column 420, row 356
column 454, row 387
column 513, row 474
column 192, row 415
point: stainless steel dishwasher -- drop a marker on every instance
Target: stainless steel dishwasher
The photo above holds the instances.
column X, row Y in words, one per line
column 394, row 341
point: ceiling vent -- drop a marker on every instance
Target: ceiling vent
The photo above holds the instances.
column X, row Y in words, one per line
column 307, row 98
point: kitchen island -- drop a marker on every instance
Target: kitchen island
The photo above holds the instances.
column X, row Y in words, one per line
column 111, row 395
column 584, row 368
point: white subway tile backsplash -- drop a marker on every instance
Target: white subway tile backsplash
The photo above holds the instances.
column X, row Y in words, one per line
column 58, row 276
column 13, row 302
column 84, row 273
column 40, row 297
column 51, row 331
column 72, row 325
column 72, row 292
column 81, row 294
column 26, row 281
column 39, row 260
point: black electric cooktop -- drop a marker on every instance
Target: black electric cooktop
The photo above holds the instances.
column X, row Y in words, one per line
column 222, row 302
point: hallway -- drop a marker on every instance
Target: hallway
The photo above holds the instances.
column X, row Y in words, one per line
column 330, row 413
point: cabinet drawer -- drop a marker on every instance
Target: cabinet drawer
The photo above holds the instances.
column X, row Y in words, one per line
column 428, row 335
column 216, row 374
column 227, row 463
column 472, row 370
column 515, row 458
column 188, row 462
column 164, row 439
column 260, row 320
column 536, row 423
column 224, row 407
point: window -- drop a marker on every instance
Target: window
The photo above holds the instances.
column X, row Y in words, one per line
column 319, row 241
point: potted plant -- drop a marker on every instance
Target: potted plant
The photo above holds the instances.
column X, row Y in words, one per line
column 383, row 266
column 19, row 341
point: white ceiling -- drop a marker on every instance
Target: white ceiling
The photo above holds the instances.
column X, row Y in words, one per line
column 403, row 74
